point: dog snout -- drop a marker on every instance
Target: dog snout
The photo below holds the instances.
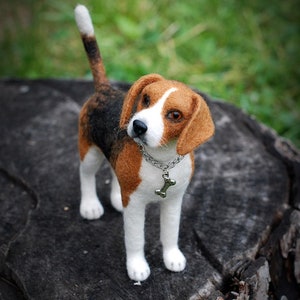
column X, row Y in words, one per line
column 139, row 127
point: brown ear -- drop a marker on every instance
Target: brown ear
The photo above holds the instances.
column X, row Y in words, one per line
column 199, row 128
column 132, row 94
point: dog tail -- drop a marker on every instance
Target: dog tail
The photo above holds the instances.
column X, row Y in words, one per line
column 86, row 29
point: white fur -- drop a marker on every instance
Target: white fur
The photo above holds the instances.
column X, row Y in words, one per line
column 83, row 20
column 152, row 118
column 134, row 215
column 90, row 207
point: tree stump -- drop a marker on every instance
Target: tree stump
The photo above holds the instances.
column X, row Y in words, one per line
column 240, row 227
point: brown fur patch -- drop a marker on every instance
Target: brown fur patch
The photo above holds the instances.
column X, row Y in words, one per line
column 95, row 60
column 192, row 156
column 133, row 93
column 199, row 128
column 181, row 101
column 127, row 168
column 84, row 142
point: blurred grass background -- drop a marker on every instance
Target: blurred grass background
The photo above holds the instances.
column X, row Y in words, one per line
column 245, row 52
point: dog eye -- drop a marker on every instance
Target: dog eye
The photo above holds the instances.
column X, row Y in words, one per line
column 146, row 100
column 174, row 115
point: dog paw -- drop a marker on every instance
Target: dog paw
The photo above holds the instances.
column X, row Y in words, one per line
column 174, row 260
column 91, row 209
column 138, row 269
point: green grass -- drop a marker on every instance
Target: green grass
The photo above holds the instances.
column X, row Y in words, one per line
column 245, row 52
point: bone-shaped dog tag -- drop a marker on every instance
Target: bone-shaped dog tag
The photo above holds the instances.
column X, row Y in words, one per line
column 167, row 183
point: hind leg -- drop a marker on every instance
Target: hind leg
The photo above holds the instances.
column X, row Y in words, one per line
column 90, row 206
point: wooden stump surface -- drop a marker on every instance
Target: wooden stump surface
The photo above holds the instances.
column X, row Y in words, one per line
column 240, row 227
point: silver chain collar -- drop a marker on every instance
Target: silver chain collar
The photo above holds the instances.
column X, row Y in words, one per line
column 168, row 182
column 160, row 165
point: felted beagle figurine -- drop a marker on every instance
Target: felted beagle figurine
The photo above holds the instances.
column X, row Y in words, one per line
column 148, row 135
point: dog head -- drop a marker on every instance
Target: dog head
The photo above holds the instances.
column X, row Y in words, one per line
column 166, row 111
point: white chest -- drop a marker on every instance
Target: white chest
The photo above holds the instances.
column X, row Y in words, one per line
column 152, row 180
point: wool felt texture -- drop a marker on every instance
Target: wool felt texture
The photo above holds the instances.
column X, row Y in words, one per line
column 83, row 20
column 90, row 44
column 94, row 56
column 200, row 126
column 133, row 93
column 199, row 129
column 127, row 170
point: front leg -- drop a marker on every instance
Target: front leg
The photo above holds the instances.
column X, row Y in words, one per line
column 170, row 220
column 134, row 220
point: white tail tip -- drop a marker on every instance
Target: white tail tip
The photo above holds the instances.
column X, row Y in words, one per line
column 83, row 20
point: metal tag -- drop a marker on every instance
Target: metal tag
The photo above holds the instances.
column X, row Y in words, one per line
column 167, row 183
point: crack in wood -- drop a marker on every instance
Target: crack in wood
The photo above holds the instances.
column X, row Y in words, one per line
column 9, row 280
column 213, row 261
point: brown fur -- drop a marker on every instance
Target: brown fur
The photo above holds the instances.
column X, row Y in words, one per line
column 95, row 60
column 133, row 93
column 127, row 170
column 83, row 141
column 199, row 128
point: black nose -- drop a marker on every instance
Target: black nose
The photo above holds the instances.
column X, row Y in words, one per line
column 139, row 127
